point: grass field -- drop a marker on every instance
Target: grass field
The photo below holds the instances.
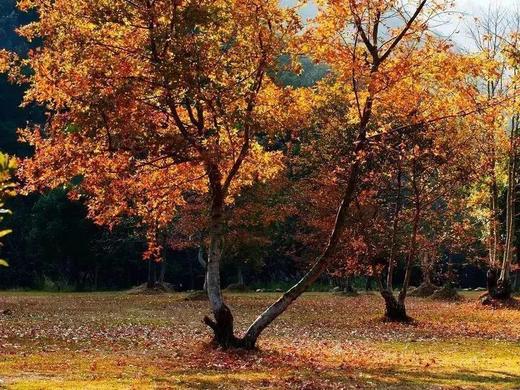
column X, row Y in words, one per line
column 119, row 341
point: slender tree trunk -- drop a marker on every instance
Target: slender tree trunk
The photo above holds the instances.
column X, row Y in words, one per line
column 501, row 288
column 96, row 276
column 162, row 272
column 240, row 276
column 395, row 228
column 427, row 269
column 192, row 276
column 150, row 282
column 395, row 307
column 393, row 310
column 368, row 284
column 321, row 263
column 413, row 244
column 202, row 262
column 505, row 279
column 494, row 222
column 222, row 324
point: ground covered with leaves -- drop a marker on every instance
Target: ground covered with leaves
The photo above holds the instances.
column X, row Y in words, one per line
column 325, row 341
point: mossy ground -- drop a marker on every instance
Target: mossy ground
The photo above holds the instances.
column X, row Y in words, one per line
column 117, row 341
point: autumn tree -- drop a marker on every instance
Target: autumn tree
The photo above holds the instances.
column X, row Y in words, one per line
column 150, row 101
column 409, row 203
column 380, row 66
column 432, row 176
column 496, row 38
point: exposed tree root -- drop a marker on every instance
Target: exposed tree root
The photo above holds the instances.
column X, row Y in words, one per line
column 223, row 332
column 398, row 319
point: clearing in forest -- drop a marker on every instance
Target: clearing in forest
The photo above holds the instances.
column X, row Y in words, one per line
column 120, row 341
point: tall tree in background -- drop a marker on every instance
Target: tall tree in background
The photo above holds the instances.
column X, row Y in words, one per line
column 432, row 174
column 496, row 37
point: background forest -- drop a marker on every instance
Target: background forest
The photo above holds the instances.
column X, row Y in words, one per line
column 54, row 246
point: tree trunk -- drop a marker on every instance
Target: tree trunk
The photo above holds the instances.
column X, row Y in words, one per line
column 498, row 289
column 395, row 227
column 150, row 283
column 162, row 272
column 341, row 222
column 494, row 225
column 368, row 284
column 240, row 277
column 413, row 244
column 222, row 324
column 200, row 258
column 224, row 320
column 320, row 265
column 427, row 269
column 504, row 282
column 96, row 276
column 395, row 310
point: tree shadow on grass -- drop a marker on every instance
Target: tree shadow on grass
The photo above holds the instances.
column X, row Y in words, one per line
column 313, row 378
column 415, row 378
column 326, row 379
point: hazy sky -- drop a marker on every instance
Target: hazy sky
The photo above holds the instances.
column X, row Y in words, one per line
column 465, row 11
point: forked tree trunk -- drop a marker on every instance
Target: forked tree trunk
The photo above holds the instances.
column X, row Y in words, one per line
column 395, row 310
column 222, row 324
column 497, row 288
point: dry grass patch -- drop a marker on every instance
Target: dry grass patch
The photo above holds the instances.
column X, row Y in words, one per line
column 119, row 341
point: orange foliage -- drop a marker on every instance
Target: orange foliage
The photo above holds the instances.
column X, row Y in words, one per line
column 146, row 98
